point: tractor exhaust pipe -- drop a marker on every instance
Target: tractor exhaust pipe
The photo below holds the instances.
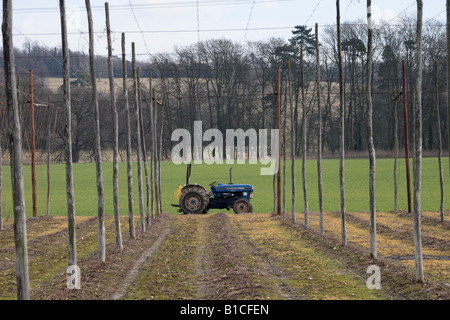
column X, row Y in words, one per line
column 188, row 174
column 231, row 181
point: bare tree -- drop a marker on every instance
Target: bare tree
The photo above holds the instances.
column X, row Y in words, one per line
column 129, row 153
column 97, row 146
column 370, row 144
column 115, row 134
column 15, row 150
column 418, row 148
column 68, row 139
column 342, row 127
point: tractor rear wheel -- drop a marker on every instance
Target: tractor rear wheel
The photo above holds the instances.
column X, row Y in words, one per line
column 242, row 206
column 193, row 202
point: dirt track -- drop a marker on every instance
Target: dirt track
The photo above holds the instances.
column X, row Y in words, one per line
column 214, row 256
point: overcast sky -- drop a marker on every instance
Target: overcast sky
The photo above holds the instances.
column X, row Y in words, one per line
column 165, row 24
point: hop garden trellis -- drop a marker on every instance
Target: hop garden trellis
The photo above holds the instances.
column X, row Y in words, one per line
column 46, row 121
column 155, row 151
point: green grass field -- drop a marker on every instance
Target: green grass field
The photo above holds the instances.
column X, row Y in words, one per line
column 356, row 183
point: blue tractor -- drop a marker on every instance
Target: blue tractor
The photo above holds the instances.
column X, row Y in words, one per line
column 195, row 199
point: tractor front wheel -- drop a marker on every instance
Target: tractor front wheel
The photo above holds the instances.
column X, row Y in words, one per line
column 242, row 206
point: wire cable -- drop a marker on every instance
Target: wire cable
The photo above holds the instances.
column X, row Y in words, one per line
column 139, row 26
column 314, row 10
column 248, row 21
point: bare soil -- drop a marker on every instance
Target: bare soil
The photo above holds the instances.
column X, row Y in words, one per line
column 227, row 257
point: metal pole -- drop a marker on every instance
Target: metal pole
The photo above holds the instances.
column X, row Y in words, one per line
column 33, row 146
column 279, row 147
column 405, row 119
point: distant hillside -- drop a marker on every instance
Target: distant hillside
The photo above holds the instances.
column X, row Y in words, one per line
column 102, row 83
column 47, row 62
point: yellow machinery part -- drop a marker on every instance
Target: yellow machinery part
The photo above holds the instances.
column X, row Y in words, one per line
column 178, row 192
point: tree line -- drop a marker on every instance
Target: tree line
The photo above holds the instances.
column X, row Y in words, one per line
column 228, row 85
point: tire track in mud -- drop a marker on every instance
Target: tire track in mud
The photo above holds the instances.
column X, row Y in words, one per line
column 270, row 279
column 405, row 234
column 239, row 257
column 200, row 264
column 204, row 258
column 279, row 277
column 135, row 269
column 169, row 273
column 216, row 256
column 48, row 254
column 299, row 268
column 225, row 267
column 102, row 280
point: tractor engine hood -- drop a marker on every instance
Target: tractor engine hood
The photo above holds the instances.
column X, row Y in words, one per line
column 233, row 187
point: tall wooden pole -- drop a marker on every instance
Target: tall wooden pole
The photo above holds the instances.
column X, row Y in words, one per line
column 418, row 149
column 3, row 116
column 15, row 150
column 370, row 143
column 112, row 93
column 33, row 145
column 292, row 145
column 161, row 130
column 304, row 142
column 155, row 151
column 448, row 81
column 283, row 146
column 405, row 122
column 319, row 136
column 98, row 152
column 279, row 146
column 1, row 174
column 49, row 133
column 284, row 151
column 132, row 230
column 438, row 120
column 138, row 139
column 342, row 127
column 396, row 150
column 152, row 152
column 144, row 148
column 68, row 139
